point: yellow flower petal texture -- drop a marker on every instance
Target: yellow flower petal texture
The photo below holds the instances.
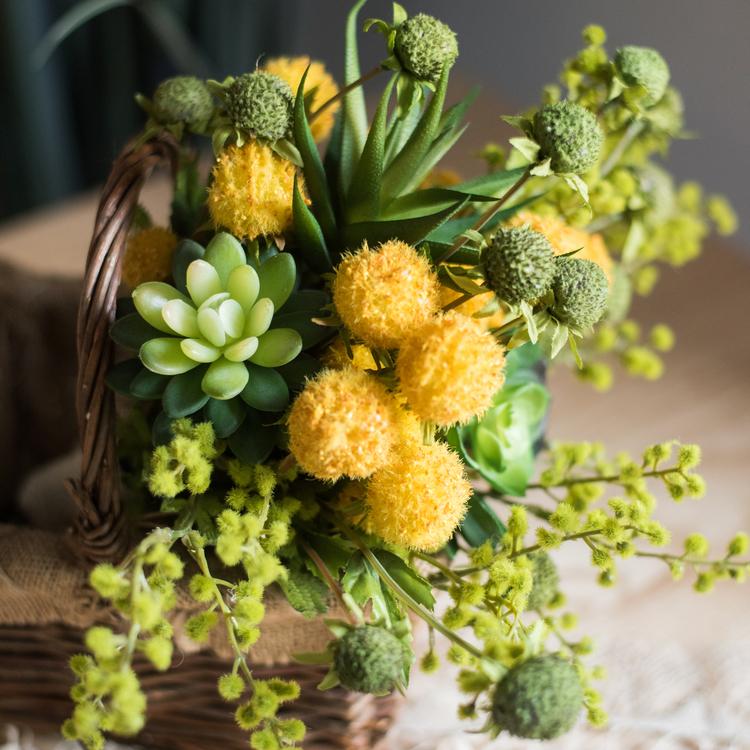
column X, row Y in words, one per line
column 451, row 370
column 386, row 294
column 148, row 256
column 291, row 70
column 343, row 424
column 251, row 191
column 419, row 497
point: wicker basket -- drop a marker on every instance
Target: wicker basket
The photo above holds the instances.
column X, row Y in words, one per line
column 45, row 603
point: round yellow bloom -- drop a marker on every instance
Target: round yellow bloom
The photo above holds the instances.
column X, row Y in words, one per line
column 451, row 370
column 337, row 357
column 148, row 256
column 419, row 497
column 473, row 306
column 291, row 70
column 343, row 424
column 251, row 192
column 386, row 294
column 565, row 239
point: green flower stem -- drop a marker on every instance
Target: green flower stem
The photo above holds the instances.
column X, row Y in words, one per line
column 332, row 583
column 631, row 133
column 343, row 92
column 693, row 561
column 608, row 479
column 465, row 297
column 444, row 569
column 486, row 216
column 199, row 556
column 509, row 326
column 407, row 600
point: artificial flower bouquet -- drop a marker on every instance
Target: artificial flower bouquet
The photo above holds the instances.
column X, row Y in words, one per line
column 336, row 380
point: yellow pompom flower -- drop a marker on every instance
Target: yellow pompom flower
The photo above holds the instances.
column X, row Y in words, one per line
column 342, row 424
column 251, row 191
column 419, row 497
column 451, row 370
column 291, row 70
column 386, row 294
column 565, row 239
column 148, row 256
column 337, row 357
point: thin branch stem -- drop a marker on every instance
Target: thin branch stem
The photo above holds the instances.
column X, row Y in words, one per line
column 332, row 583
column 343, row 92
column 608, row 479
column 630, row 134
column 465, row 297
column 486, row 216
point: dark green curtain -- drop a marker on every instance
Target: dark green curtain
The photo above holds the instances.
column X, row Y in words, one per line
column 61, row 124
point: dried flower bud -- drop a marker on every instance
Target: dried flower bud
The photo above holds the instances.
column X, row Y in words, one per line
column 569, row 135
column 369, row 659
column 643, row 66
column 540, row 698
column 519, row 264
column 183, row 100
column 260, row 103
column 425, row 45
column 581, row 290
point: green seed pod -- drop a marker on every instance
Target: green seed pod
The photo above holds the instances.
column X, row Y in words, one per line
column 425, row 45
column 519, row 264
column 546, row 580
column 581, row 291
column 260, row 103
column 183, row 100
column 645, row 67
column 539, row 699
column 569, row 135
column 369, row 659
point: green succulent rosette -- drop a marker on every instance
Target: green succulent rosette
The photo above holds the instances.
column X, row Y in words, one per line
column 225, row 339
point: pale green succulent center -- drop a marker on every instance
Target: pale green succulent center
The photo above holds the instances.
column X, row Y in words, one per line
column 224, row 320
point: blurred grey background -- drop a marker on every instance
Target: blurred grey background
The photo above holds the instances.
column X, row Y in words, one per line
column 62, row 123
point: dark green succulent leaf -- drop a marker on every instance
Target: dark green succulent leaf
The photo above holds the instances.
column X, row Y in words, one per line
column 226, row 416
column 353, row 111
column 121, row 375
column 266, row 390
column 405, row 118
column 406, row 577
column 315, row 178
column 161, row 430
column 254, row 440
column 332, row 164
column 296, row 372
column 132, row 331
column 148, row 386
column 363, row 199
column 311, row 243
column 481, row 523
column 307, row 300
column 441, row 146
column 301, row 321
column 184, row 395
column 185, row 253
column 409, row 230
column 408, row 160
column 188, row 200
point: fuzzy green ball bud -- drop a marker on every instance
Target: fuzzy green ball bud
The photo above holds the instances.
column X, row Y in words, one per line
column 519, row 264
column 369, row 659
column 569, row 135
column 183, row 100
column 539, row 699
column 546, row 580
column 581, row 291
column 643, row 66
column 260, row 103
column 425, row 46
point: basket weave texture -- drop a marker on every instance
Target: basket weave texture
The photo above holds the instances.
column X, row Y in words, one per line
column 45, row 601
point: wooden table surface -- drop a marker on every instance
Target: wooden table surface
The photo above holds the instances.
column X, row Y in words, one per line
column 704, row 397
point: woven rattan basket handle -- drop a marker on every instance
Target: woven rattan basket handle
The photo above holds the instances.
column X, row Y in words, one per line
column 100, row 531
